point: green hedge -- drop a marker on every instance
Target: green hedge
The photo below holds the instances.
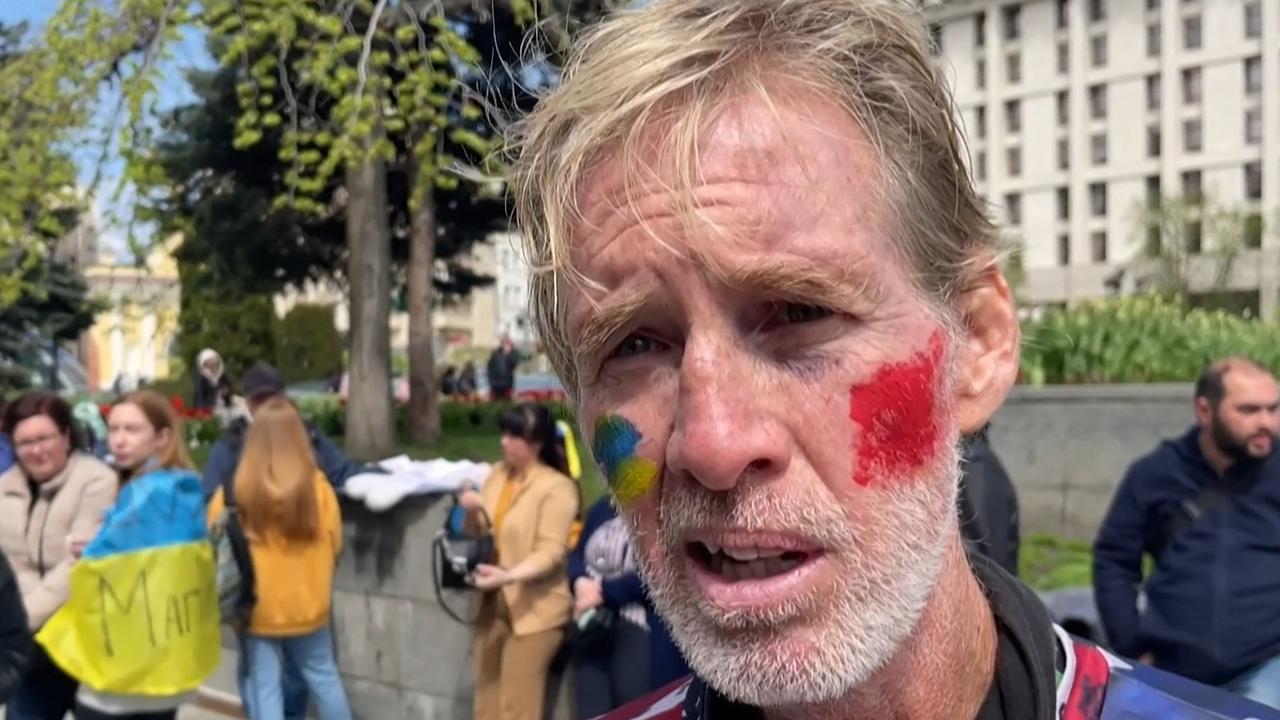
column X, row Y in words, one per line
column 330, row 415
column 1138, row 339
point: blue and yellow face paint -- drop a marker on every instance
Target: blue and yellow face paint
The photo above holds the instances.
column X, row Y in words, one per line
column 631, row 477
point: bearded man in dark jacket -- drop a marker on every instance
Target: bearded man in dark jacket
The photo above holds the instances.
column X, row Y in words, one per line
column 1206, row 507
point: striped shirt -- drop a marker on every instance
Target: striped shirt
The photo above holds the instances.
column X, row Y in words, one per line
column 608, row 555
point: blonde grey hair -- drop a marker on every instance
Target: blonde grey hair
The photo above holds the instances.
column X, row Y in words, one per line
column 677, row 62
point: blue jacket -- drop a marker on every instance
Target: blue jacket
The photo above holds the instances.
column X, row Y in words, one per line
column 665, row 662
column 1213, row 599
column 224, row 457
column 6, row 453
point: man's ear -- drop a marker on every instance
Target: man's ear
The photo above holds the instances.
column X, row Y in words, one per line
column 1204, row 412
column 987, row 355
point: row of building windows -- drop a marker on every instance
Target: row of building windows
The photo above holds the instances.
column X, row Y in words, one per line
column 1192, row 191
column 1192, row 30
column 1097, row 248
column 1013, row 73
column 1192, row 94
column 1192, row 238
column 1192, row 142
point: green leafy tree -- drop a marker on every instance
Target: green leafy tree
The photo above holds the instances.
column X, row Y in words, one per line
column 308, row 346
column 242, row 329
column 221, row 199
column 52, row 91
column 562, row 20
column 1013, row 265
column 1190, row 245
column 388, row 76
column 53, row 308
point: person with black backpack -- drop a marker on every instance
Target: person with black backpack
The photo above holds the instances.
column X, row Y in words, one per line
column 260, row 385
column 1206, row 507
column 289, row 514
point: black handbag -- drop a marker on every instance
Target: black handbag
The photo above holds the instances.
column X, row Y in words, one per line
column 456, row 554
column 595, row 624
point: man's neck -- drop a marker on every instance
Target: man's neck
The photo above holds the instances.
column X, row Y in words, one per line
column 955, row 639
column 1218, row 460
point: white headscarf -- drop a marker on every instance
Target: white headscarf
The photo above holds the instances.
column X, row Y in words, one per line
column 205, row 356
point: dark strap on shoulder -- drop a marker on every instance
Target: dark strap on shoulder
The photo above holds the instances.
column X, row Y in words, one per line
column 229, row 491
column 1213, row 495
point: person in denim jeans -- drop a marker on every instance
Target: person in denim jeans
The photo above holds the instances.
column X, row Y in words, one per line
column 290, row 515
column 261, row 384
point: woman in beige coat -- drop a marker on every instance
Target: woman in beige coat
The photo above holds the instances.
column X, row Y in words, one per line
column 531, row 504
column 52, row 502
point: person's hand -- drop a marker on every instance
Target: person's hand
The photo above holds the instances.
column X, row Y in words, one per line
column 76, row 547
column 587, row 594
column 470, row 500
column 489, row 577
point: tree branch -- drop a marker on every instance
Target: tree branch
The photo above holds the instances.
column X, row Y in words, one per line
column 150, row 50
column 292, row 102
column 362, row 66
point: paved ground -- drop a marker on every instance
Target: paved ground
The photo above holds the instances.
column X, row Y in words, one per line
column 186, row 713
column 223, row 680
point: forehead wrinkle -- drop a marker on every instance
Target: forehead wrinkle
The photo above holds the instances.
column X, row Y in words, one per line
column 627, row 205
column 720, row 214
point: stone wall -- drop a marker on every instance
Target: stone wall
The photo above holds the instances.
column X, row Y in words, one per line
column 400, row 656
column 1066, row 448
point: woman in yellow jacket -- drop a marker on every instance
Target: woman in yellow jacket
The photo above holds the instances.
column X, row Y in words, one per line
column 291, row 518
column 532, row 503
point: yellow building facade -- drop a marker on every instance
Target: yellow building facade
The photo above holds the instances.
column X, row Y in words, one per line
column 133, row 338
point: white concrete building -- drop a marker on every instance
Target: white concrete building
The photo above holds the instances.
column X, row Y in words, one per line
column 1077, row 111
column 512, row 288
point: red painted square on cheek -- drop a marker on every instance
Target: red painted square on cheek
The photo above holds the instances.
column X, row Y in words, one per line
column 895, row 418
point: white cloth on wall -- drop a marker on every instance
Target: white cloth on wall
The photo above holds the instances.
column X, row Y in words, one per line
column 405, row 477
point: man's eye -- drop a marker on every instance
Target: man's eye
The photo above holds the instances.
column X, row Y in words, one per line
column 633, row 345
column 797, row 313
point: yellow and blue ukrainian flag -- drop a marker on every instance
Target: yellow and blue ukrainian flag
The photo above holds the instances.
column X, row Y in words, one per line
column 142, row 617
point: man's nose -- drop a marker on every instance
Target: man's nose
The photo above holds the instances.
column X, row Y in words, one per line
column 725, row 426
column 1271, row 420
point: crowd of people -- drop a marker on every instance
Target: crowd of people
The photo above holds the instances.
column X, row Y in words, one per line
column 788, row 389
column 62, row 505
column 556, row 589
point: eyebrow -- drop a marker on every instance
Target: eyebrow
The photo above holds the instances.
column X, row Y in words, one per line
column 803, row 281
column 609, row 316
column 790, row 280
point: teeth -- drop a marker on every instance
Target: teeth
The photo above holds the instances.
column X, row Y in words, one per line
column 711, row 547
column 761, row 568
column 742, row 554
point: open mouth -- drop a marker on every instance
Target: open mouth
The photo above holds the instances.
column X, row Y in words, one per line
column 746, row 563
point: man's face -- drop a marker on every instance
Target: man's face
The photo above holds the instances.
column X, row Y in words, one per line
column 1245, row 423
column 771, row 402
